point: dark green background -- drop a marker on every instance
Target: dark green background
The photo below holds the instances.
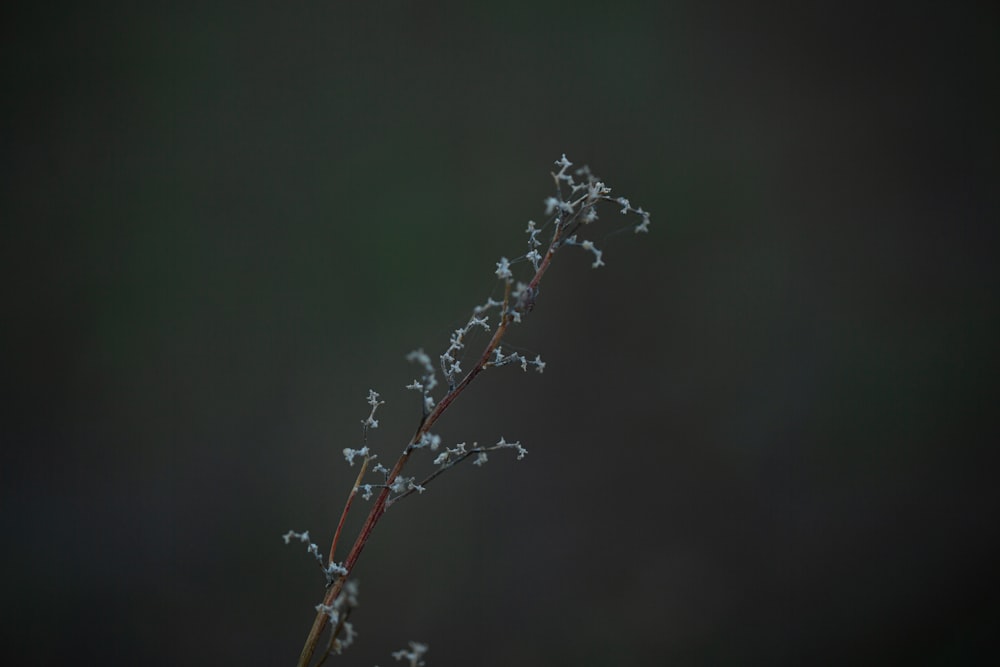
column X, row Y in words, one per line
column 765, row 432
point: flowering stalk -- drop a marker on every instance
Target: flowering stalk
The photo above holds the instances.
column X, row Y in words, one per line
column 568, row 216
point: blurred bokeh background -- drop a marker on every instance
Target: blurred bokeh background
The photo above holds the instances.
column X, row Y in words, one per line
column 764, row 435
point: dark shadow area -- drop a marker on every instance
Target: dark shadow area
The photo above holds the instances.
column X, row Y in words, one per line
column 763, row 436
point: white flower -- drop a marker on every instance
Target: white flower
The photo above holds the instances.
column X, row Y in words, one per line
column 349, row 453
column 421, row 358
column 330, row 611
column 644, row 225
column 301, row 537
column 503, row 444
column 431, row 440
column 589, row 245
column 532, row 235
column 414, row 655
column 503, row 269
column 539, row 364
column 490, row 303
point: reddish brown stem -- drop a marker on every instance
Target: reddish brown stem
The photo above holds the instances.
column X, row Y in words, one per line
column 379, row 507
column 347, row 507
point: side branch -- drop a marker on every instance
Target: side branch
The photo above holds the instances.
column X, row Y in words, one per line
column 379, row 507
column 569, row 217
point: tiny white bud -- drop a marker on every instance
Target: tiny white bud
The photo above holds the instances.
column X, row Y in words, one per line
column 503, row 269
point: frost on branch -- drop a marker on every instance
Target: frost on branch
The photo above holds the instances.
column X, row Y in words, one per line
column 570, row 209
column 401, row 485
column 373, row 400
column 454, row 455
column 370, row 422
column 570, row 214
column 349, row 453
column 427, row 381
column 332, row 570
column 302, row 537
column 414, row 656
column 503, row 444
column 501, row 359
column 503, row 269
column 430, row 440
column 580, row 207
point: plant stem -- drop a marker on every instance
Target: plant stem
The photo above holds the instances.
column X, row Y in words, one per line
column 379, row 507
column 347, row 507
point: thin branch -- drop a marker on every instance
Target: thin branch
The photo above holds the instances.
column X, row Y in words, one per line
column 564, row 229
column 379, row 507
column 347, row 506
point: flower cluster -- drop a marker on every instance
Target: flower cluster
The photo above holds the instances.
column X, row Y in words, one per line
column 458, row 453
column 570, row 212
column 414, row 656
column 425, row 385
column 402, row 486
column 331, row 570
column 344, row 632
column 373, row 400
column 501, row 359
